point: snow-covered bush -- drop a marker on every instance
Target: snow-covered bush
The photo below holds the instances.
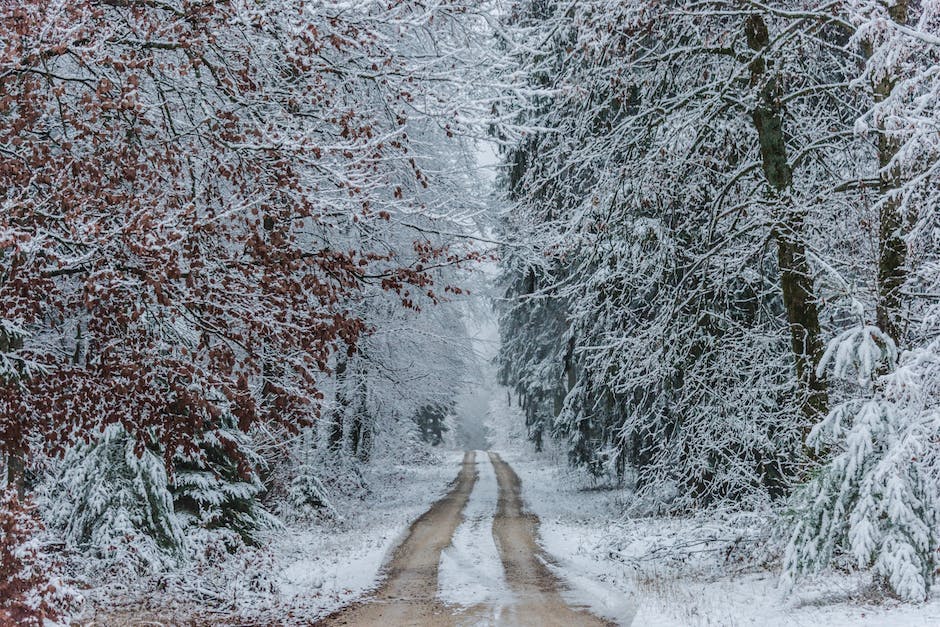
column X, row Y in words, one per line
column 29, row 593
column 125, row 510
column 218, row 487
column 111, row 500
column 876, row 499
column 307, row 497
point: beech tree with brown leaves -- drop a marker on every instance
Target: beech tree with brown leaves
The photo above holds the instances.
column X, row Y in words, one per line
column 181, row 183
column 202, row 203
column 29, row 592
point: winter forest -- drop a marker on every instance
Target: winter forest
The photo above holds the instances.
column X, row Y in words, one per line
column 469, row 312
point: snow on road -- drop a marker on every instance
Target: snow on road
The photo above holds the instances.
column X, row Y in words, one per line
column 573, row 531
column 471, row 572
column 324, row 569
column 574, row 523
column 450, row 568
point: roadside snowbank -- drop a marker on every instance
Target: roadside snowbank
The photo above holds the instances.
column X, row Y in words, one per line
column 303, row 573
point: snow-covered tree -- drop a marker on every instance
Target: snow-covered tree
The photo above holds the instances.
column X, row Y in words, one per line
column 206, row 209
column 875, row 498
column 220, row 487
column 686, row 165
column 221, row 194
column 31, row 593
column 112, row 501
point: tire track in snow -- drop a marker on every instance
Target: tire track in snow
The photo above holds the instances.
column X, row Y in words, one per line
column 471, row 571
column 408, row 594
column 538, row 589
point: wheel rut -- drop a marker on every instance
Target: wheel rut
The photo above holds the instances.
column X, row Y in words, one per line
column 408, row 594
column 536, row 588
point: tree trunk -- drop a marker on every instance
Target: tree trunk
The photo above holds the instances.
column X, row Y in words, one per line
column 337, row 422
column 892, row 249
column 15, row 463
column 571, row 375
column 571, row 378
column 796, row 280
column 15, row 473
column 361, row 433
column 365, row 443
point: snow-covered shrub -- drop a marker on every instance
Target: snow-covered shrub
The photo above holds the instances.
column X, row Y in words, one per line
column 114, row 500
column 307, row 497
column 29, row 593
column 111, row 500
column 218, row 487
column 876, row 498
column 432, row 421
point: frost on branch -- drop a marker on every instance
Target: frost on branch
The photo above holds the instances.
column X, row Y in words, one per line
column 875, row 500
column 864, row 350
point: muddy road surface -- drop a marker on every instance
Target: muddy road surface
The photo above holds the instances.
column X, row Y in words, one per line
column 408, row 594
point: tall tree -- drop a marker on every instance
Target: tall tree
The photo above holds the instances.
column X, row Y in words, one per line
column 681, row 140
column 204, row 205
column 796, row 274
column 178, row 180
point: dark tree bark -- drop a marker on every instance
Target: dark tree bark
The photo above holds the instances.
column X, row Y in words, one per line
column 15, row 473
column 337, row 422
column 892, row 249
column 571, row 378
column 796, row 280
column 15, row 464
column 361, row 432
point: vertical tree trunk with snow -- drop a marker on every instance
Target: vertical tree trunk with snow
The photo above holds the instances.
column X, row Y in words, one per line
column 796, row 280
column 892, row 249
column 14, row 459
column 361, row 430
column 340, row 405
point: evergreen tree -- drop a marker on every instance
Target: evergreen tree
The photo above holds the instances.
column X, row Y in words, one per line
column 431, row 423
column 876, row 498
column 219, row 487
column 111, row 499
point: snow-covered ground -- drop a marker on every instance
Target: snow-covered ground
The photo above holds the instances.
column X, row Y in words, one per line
column 656, row 572
column 303, row 573
column 471, row 572
column 323, row 569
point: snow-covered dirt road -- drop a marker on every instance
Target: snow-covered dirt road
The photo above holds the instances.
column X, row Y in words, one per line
column 446, row 572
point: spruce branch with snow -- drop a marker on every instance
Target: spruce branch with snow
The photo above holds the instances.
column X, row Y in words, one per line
column 876, row 499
